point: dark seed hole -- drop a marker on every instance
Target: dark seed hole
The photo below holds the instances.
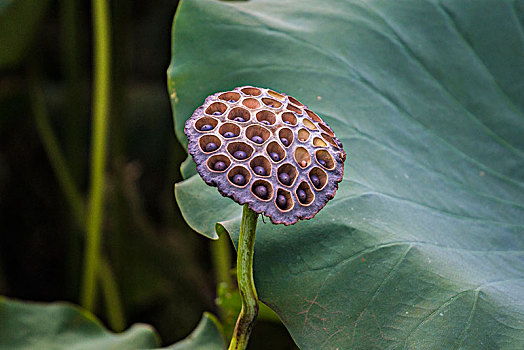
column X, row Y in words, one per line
column 315, row 180
column 261, row 191
column 260, row 171
column 257, row 139
column 220, row 166
column 301, row 195
column 210, row 147
column 281, row 201
column 284, row 178
column 240, row 155
column 239, row 180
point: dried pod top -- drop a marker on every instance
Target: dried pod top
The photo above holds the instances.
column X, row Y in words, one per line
column 268, row 150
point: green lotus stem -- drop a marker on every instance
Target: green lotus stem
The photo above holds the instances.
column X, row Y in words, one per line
column 114, row 309
column 53, row 150
column 101, row 108
column 246, row 284
column 221, row 256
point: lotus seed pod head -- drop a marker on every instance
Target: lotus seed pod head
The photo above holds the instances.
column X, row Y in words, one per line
column 267, row 150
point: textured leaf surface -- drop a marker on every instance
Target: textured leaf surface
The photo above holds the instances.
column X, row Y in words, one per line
column 423, row 245
column 27, row 325
column 206, row 336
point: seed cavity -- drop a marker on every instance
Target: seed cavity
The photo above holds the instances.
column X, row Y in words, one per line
column 318, row 178
column 286, row 136
column 303, row 135
column 318, row 142
column 276, row 95
column 239, row 176
column 251, row 91
column 251, row 103
column 294, row 109
column 258, row 134
column 287, row 173
column 284, row 178
column 271, row 103
column 261, row 166
column 309, row 124
column 283, row 200
column 200, row 123
column 218, row 162
column 229, row 130
column 216, row 109
column 266, row 117
column 313, row 116
column 239, row 114
column 275, row 152
column 240, row 150
column 262, row 189
column 329, row 139
column 325, row 159
column 304, row 194
column 289, row 118
column 209, row 143
column 231, row 96
column 294, row 101
column 302, row 157
column 326, row 129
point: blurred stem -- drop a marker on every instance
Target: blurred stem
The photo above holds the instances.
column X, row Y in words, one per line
column 75, row 123
column 101, row 108
column 246, row 284
column 221, row 254
column 115, row 313
column 56, row 157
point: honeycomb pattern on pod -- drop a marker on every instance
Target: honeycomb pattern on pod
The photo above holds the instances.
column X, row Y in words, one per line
column 268, row 150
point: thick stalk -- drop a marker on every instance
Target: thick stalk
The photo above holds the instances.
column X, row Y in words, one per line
column 101, row 108
column 246, row 284
column 221, row 256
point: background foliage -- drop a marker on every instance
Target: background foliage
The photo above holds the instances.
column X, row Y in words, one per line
column 163, row 271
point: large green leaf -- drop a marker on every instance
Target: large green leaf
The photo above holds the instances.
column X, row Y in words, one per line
column 423, row 245
column 62, row 326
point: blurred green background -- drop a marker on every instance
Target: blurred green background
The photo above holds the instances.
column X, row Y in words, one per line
column 163, row 270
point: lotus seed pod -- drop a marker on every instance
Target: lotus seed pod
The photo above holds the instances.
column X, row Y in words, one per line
column 268, row 150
